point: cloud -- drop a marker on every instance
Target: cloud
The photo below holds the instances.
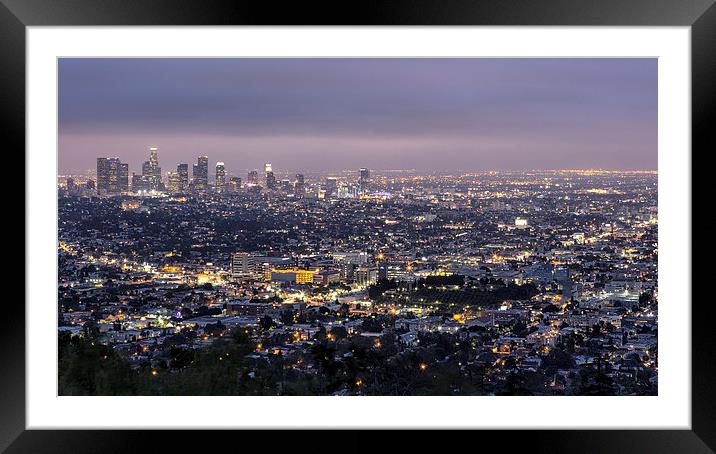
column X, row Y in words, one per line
column 433, row 112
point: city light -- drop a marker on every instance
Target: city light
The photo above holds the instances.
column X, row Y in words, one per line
column 490, row 275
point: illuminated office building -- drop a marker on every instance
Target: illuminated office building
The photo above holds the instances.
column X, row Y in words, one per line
column 151, row 172
column 235, row 184
column 220, row 180
column 298, row 276
column 156, row 170
column 137, row 183
column 270, row 178
column 183, row 174
column 343, row 191
column 102, row 175
column 366, row 276
column 112, row 176
column 364, row 181
column 241, row 264
column 300, row 186
column 200, row 174
column 253, row 178
column 331, row 187
column 173, row 182
column 122, row 177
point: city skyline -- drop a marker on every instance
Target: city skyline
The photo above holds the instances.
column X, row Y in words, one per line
column 328, row 114
column 112, row 176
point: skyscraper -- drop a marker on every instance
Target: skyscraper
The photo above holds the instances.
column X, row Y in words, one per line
column 270, row 178
column 151, row 172
column 234, row 184
column 102, row 175
column 364, row 181
column 146, row 176
column 331, row 187
column 253, row 178
column 220, row 182
column 138, row 183
column 123, row 177
column 183, row 172
column 201, row 174
column 300, row 186
column 173, row 182
column 154, row 161
column 112, row 176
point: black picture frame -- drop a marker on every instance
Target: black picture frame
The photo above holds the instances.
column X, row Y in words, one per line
column 16, row 15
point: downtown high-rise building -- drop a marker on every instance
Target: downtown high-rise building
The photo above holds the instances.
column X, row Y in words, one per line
column 299, row 188
column 270, row 178
column 173, row 182
column 331, row 187
column 122, row 177
column 220, row 179
column 363, row 181
column 183, row 175
column 201, row 174
column 253, row 178
column 154, row 166
column 151, row 172
column 103, row 175
column 235, row 184
column 112, row 176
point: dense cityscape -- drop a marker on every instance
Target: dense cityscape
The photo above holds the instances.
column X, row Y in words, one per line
column 356, row 282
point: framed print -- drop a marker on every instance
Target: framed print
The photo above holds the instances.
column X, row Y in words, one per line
column 417, row 216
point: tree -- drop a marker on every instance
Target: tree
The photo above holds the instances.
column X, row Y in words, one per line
column 594, row 380
column 557, row 359
column 215, row 329
column 266, row 322
column 380, row 287
column 515, row 385
column 519, row 329
column 287, row 316
column 340, row 332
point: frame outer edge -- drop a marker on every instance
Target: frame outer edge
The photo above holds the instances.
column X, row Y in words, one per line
column 12, row 334
column 703, row 105
column 12, row 72
column 372, row 12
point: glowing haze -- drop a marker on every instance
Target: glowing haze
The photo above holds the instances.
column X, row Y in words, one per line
column 331, row 114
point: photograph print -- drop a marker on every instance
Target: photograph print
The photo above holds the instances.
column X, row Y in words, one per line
column 357, row 226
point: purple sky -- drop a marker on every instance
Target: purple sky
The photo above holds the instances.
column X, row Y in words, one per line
column 330, row 114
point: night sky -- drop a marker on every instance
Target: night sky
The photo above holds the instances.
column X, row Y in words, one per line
column 331, row 114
